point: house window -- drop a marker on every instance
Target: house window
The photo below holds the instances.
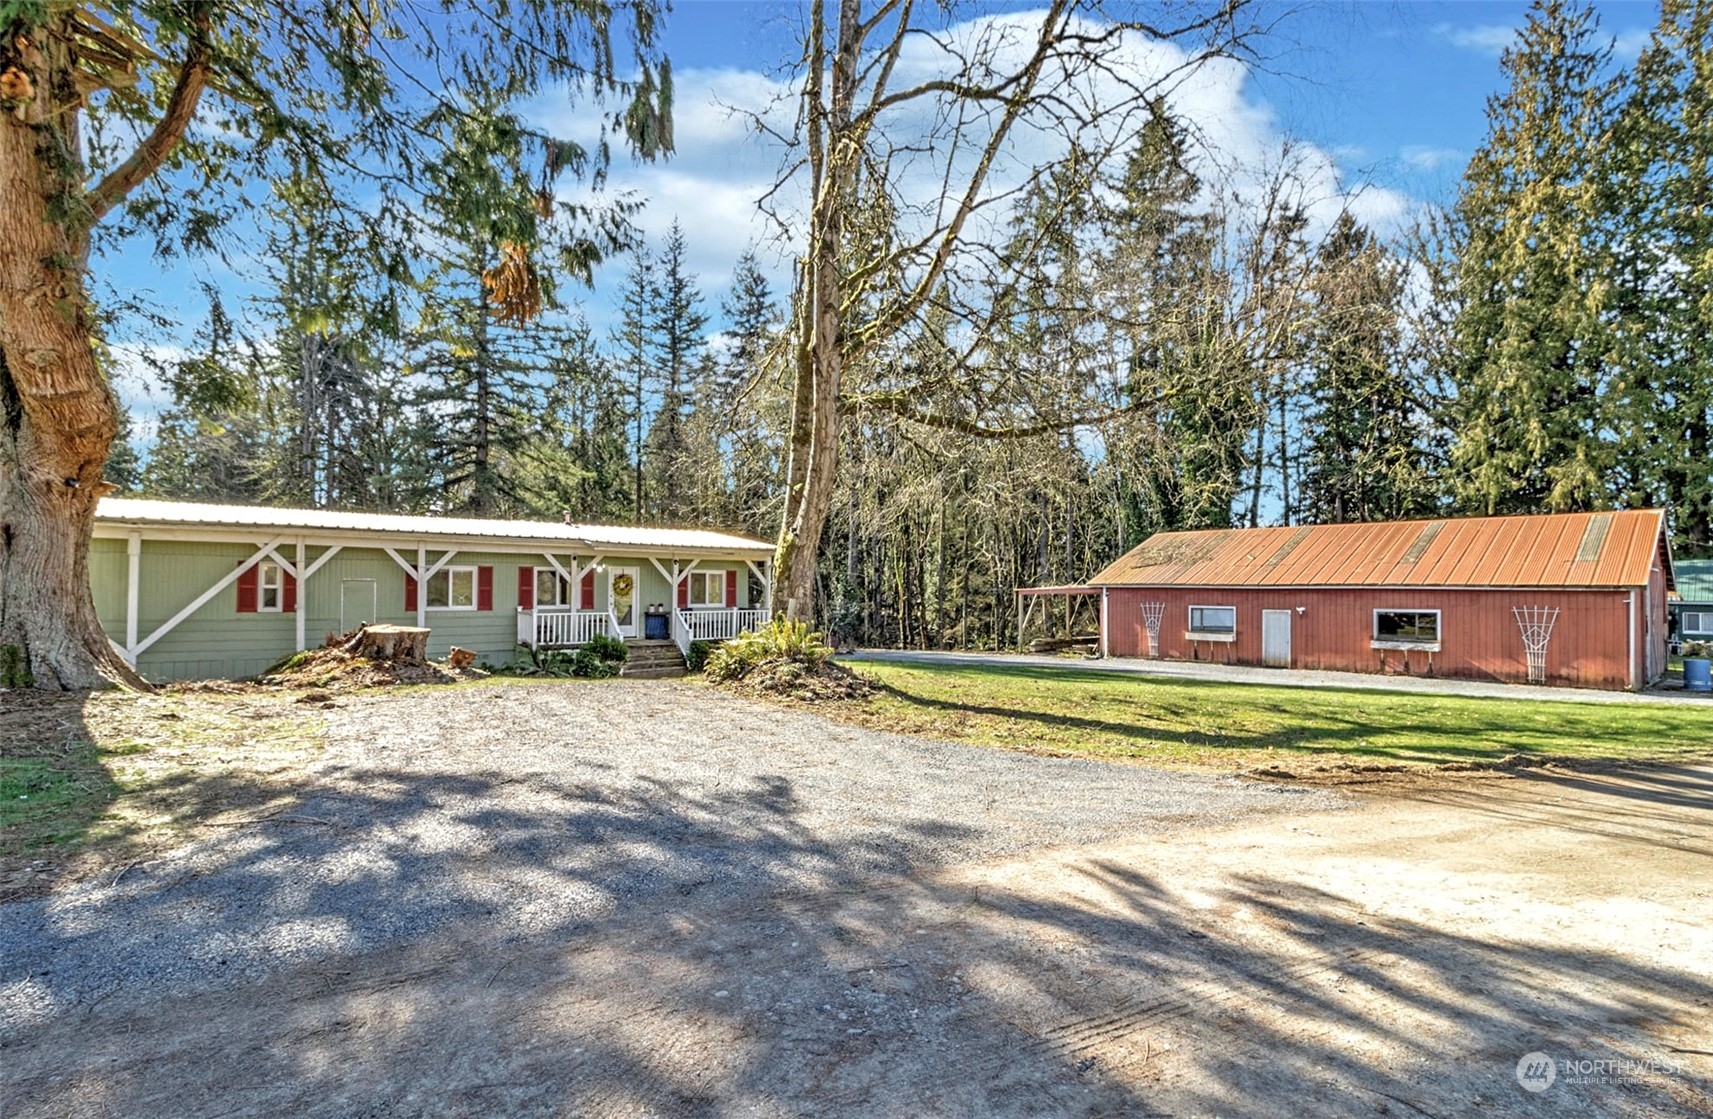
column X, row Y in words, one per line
column 270, row 588
column 1217, row 622
column 452, row 588
column 707, row 588
column 1693, row 623
column 1406, row 627
column 552, row 588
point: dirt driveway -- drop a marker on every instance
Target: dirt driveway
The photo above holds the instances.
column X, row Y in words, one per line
column 636, row 899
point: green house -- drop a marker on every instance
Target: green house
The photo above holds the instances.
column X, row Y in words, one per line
column 194, row 591
column 1692, row 611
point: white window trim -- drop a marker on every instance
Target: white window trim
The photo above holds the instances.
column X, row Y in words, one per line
column 263, row 586
column 702, row 578
column 1375, row 641
column 565, row 592
column 1193, row 634
column 1703, row 625
column 448, row 571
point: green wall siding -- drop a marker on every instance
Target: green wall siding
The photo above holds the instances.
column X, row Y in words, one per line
column 218, row 642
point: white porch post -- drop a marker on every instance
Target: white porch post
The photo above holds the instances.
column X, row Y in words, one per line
column 133, row 581
column 302, row 577
column 421, row 587
column 767, row 587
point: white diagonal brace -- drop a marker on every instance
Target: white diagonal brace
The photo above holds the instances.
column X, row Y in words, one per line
column 398, row 559
column 202, row 599
column 660, row 567
column 332, row 551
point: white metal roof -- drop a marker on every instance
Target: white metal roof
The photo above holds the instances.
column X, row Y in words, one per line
column 117, row 511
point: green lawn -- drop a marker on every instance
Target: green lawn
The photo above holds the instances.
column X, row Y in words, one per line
column 1184, row 722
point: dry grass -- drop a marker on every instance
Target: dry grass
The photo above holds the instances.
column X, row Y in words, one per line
column 92, row 781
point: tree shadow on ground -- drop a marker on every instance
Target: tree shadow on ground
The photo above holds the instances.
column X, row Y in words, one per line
column 437, row 944
column 1435, row 728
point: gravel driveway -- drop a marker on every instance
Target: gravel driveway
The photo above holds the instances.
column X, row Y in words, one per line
column 525, row 812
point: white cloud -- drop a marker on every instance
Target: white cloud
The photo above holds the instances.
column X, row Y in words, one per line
column 724, row 165
column 1627, row 46
column 1487, row 38
column 1422, row 157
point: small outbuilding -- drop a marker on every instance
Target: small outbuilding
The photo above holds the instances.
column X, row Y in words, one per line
column 1692, row 610
column 1575, row 599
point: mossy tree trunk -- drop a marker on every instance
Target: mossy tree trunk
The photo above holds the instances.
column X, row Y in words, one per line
column 57, row 414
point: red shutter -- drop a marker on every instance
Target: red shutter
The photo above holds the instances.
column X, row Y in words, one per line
column 526, row 588
column 247, row 590
column 683, row 592
column 589, row 590
column 288, row 593
column 409, row 593
column 731, row 588
column 484, row 588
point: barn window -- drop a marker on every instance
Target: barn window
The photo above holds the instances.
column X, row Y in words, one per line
column 452, row 588
column 1213, row 621
column 270, row 588
column 1406, row 627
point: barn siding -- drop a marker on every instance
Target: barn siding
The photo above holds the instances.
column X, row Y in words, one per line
column 1479, row 638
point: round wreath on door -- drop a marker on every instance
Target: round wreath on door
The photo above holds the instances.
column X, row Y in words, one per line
column 623, row 584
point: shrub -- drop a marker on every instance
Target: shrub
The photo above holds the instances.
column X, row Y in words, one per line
column 609, row 650
column 1697, row 650
column 697, row 658
column 778, row 640
column 590, row 665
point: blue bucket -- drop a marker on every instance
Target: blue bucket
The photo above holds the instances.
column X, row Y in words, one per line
column 1698, row 675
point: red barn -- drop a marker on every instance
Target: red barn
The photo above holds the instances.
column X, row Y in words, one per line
column 1577, row 599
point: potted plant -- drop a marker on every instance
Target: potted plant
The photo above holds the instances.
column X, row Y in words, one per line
column 1698, row 666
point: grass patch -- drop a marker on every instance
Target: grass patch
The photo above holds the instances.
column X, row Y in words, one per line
column 89, row 780
column 1206, row 723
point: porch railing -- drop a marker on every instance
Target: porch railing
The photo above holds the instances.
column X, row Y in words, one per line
column 570, row 627
column 681, row 633
column 719, row 625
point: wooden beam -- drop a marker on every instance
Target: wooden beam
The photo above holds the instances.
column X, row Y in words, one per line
column 133, row 587
column 171, row 623
column 302, row 603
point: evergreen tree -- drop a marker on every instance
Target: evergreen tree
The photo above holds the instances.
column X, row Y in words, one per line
column 124, row 469
column 678, row 324
column 1364, row 457
column 634, row 361
column 1660, row 182
column 1532, row 416
column 1180, row 460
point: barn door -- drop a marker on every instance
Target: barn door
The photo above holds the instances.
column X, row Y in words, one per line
column 1276, row 638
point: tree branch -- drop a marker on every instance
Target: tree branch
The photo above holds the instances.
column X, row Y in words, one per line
column 159, row 143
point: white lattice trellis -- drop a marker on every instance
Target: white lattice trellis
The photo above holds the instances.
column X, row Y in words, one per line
column 1535, row 622
column 1152, row 612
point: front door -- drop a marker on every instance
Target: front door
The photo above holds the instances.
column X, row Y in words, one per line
column 622, row 590
column 1276, row 638
column 357, row 603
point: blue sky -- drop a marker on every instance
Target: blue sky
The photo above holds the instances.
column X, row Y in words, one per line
column 1388, row 98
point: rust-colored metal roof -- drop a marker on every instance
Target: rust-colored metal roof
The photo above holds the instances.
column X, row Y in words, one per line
column 1615, row 549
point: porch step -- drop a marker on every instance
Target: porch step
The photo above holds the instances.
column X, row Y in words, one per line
column 659, row 672
column 652, row 660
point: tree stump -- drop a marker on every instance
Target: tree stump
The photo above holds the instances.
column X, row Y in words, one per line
column 461, row 658
column 393, row 644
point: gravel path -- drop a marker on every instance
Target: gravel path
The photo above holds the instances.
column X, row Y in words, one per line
column 1668, row 692
column 523, row 811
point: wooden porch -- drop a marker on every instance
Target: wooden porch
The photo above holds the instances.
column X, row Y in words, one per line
column 565, row 627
